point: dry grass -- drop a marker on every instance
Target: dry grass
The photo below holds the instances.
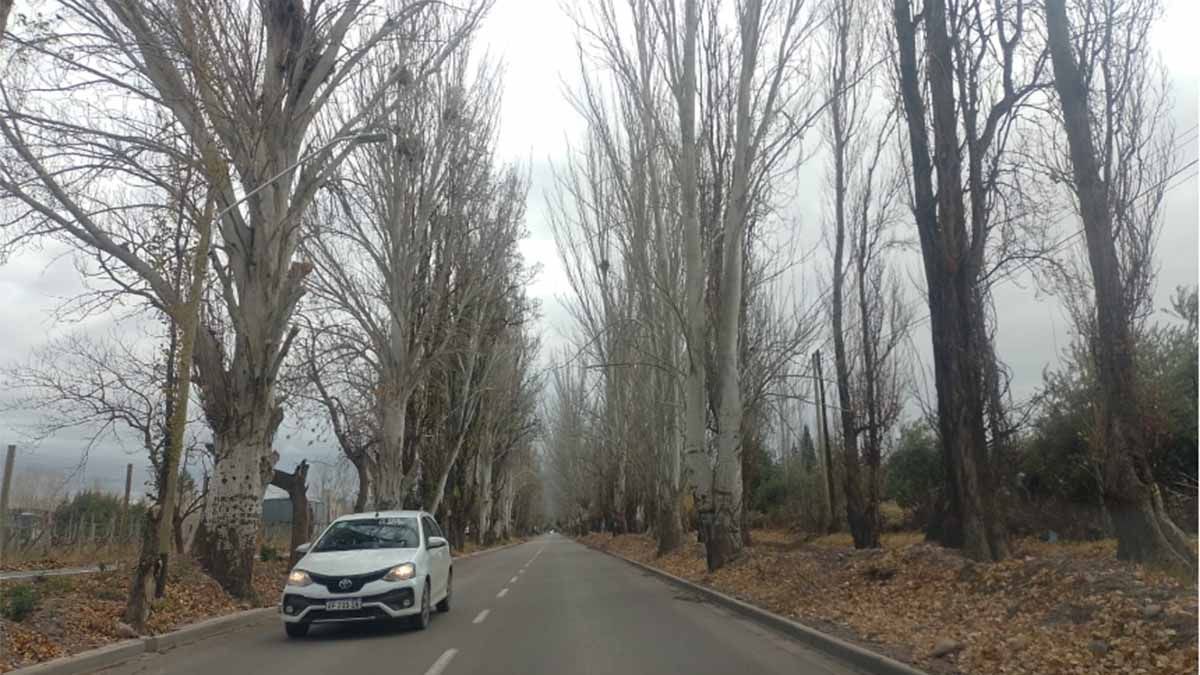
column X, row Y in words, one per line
column 1043, row 611
column 68, row 556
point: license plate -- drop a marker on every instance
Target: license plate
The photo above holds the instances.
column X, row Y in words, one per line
column 351, row 603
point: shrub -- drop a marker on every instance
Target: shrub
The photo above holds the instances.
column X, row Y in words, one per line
column 268, row 554
column 914, row 472
column 95, row 512
column 18, row 602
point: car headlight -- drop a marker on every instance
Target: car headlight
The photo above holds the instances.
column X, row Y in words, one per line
column 299, row 578
column 401, row 572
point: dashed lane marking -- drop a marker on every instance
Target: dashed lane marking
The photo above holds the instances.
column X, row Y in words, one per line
column 503, row 592
column 443, row 661
column 482, row 615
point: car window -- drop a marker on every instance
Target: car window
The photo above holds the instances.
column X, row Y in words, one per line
column 430, row 530
column 369, row 533
column 437, row 529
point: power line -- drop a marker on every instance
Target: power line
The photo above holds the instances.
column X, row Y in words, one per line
column 1061, row 242
column 1184, row 136
column 1162, row 182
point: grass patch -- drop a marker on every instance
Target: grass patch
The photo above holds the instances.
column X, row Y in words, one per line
column 18, row 602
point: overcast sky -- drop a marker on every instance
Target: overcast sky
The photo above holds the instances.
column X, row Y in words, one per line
column 534, row 39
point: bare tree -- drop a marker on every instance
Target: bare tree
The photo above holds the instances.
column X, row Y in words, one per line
column 618, row 234
column 254, row 82
column 864, row 192
column 295, row 484
column 339, row 386
column 979, row 71
column 769, row 116
column 409, row 246
column 1119, row 155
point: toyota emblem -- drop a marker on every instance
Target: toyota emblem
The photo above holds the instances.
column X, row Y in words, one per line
column 345, row 584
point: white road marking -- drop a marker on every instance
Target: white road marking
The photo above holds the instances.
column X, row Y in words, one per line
column 512, row 580
column 482, row 616
column 443, row 661
column 503, row 592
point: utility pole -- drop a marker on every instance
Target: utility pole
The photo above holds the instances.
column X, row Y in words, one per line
column 823, row 426
column 5, row 489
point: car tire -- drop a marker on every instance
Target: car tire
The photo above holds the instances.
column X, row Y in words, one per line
column 420, row 621
column 296, row 630
column 444, row 605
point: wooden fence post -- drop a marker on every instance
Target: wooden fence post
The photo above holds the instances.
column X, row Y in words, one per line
column 5, row 489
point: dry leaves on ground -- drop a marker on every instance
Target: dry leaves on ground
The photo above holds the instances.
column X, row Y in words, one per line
column 78, row 613
column 1063, row 608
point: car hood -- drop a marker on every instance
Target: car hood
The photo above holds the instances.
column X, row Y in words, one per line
column 346, row 563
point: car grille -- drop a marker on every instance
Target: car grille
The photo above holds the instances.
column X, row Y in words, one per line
column 334, row 583
column 401, row 598
column 364, row 614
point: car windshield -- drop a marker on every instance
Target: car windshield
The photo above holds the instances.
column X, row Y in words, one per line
column 353, row 535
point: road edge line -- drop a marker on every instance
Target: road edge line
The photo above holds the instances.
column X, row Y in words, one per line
column 850, row 653
column 118, row 653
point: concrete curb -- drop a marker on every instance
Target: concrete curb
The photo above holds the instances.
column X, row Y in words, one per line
column 488, row 550
column 89, row 661
column 60, row 572
column 859, row 657
column 206, row 629
column 120, row 652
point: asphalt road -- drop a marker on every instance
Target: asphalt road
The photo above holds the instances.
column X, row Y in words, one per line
column 546, row 606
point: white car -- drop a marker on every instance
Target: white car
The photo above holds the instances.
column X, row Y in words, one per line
column 382, row 565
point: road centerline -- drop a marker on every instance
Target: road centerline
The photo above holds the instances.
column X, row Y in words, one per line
column 503, row 592
column 443, row 661
column 482, row 616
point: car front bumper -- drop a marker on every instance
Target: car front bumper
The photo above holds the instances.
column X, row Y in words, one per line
column 380, row 600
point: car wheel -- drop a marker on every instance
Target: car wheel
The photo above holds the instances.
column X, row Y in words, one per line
column 296, row 630
column 421, row 621
column 444, row 605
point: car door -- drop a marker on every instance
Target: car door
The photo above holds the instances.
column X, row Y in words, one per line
column 439, row 557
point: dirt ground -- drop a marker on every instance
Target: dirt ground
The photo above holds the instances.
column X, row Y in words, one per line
column 1053, row 608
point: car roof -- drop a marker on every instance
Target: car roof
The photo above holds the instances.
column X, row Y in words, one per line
column 382, row 514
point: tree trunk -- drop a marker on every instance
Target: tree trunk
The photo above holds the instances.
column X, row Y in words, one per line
column 178, row 533
column 861, row 530
column 228, row 533
column 1144, row 530
column 5, row 8
column 508, row 496
column 185, row 318
column 951, row 262
column 699, row 467
column 145, row 572
column 296, row 485
column 484, row 487
column 826, row 445
column 362, row 468
column 393, row 480
column 668, row 521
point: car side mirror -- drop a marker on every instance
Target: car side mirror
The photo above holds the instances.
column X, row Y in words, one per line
column 436, row 542
column 303, row 548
